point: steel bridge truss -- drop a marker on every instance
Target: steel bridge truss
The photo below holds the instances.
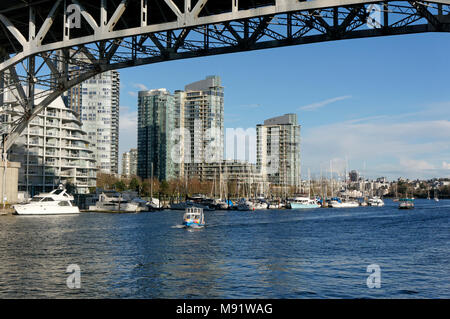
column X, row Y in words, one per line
column 58, row 46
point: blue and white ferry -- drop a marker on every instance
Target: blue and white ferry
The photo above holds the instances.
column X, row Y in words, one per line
column 194, row 218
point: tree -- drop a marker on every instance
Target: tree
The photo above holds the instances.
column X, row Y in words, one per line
column 134, row 184
column 164, row 188
column 70, row 188
column 194, row 186
column 105, row 181
column 120, row 186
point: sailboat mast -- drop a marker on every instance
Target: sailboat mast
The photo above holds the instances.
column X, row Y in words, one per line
column 309, row 184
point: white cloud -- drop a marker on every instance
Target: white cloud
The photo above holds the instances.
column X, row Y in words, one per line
column 415, row 165
column 445, row 165
column 317, row 105
column 132, row 93
column 140, row 86
column 410, row 149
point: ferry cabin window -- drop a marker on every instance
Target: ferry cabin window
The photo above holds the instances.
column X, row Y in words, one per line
column 36, row 199
column 48, row 199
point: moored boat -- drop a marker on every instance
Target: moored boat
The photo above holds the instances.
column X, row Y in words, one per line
column 303, row 203
column 111, row 201
column 275, row 204
column 406, row 203
column 375, row 201
column 260, row 204
column 245, row 205
column 338, row 203
column 189, row 204
column 57, row 202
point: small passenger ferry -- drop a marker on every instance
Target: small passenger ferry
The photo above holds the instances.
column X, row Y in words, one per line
column 194, row 218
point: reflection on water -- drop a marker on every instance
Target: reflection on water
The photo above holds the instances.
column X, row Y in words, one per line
column 320, row 253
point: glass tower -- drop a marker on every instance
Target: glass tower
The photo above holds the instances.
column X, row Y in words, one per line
column 155, row 124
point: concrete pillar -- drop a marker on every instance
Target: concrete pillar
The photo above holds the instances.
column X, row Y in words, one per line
column 11, row 181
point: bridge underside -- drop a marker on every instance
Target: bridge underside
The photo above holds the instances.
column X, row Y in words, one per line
column 47, row 47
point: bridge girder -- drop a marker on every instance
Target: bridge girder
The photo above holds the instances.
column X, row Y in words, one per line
column 44, row 52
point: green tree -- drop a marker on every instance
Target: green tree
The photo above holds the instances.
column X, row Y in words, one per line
column 120, row 186
column 70, row 188
column 134, row 184
column 164, row 188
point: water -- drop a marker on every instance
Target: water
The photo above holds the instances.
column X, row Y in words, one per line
column 322, row 253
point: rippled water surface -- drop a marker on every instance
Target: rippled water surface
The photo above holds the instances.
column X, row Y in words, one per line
column 322, row 253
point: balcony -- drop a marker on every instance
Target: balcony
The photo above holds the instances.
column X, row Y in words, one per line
column 51, row 153
column 52, row 114
column 51, row 163
column 51, row 144
column 52, row 133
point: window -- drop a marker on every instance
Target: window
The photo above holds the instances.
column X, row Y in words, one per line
column 64, row 203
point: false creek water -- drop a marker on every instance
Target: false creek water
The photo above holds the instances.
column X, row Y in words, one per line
column 322, row 253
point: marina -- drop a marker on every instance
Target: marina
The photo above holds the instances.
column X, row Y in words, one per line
column 318, row 253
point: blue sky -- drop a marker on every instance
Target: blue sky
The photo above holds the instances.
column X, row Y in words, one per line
column 382, row 105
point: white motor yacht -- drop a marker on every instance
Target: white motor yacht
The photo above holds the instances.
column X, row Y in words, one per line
column 375, row 201
column 114, row 202
column 57, row 202
column 337, row 203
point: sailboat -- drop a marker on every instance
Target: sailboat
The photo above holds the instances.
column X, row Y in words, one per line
column 436, row 199
column 396, row 193
column 374, row 200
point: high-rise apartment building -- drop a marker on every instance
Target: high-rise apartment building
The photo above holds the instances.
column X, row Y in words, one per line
column 203, row 124
column 179, row 135
column 278, row 150
column 97, row 102
column 52, row 150
column 129, row 163
column 155, row 126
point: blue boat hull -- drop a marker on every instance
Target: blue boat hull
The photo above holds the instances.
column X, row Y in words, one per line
column 193, row 225
column 303, row 206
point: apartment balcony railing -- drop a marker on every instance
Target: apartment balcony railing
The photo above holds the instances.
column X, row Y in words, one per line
column 47, row 144
column 52, row 133
column 50, row 153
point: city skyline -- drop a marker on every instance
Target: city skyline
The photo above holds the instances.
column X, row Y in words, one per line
column 381, row 133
